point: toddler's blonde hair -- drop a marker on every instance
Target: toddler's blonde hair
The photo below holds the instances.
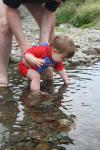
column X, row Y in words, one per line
column 64, row 45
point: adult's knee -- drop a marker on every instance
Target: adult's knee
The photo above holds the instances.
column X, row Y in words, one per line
column 4, row 27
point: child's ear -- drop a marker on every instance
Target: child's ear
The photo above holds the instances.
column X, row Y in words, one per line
column 57, row 36
column 54, row 50
column 53, row 40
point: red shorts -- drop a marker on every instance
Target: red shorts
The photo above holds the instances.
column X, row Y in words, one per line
column 23, row 69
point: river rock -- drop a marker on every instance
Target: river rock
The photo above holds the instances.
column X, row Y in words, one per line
column 90, row 51
column 98, row 50
column 87, row 41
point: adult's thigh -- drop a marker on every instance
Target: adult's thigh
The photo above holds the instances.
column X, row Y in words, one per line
column 4, row 27
column 36, row 10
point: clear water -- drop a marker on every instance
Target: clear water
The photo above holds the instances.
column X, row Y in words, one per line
column 67, row 119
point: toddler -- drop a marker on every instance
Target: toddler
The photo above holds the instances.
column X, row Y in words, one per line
column 41, row 58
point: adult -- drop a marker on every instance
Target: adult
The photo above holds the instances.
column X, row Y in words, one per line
column 41, row 10
column 5, row 45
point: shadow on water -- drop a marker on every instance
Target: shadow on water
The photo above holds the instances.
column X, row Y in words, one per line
column 66, row 119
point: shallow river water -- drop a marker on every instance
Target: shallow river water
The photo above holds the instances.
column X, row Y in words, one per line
column 67, row 119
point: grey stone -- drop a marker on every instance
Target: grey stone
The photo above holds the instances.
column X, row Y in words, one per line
column 90, row 51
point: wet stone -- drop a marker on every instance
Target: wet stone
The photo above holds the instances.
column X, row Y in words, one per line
column 47, row 105
column 90, row 51
column 59, row 148
column 98, row 50
column 61, row 138
column 18, row 137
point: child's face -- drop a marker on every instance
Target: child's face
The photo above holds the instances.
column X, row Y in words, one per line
column 57, row 57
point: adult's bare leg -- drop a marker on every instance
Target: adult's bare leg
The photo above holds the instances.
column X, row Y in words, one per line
column 47, row 24
column 16, row 27
column 5, row 46
column 45, row 20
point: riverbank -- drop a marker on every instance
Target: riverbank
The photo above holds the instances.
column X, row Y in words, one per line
column 87, row 41
column 80, row 13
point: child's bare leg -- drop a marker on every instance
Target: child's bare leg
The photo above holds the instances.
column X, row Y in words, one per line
column 34, row 76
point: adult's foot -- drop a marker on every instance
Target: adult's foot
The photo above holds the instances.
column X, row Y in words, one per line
column 4, row 85
column 3, row 78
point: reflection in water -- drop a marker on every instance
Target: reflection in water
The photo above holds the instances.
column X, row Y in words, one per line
column 66, row 119
column 48, row 124
column 8, row 112
column 33, row 122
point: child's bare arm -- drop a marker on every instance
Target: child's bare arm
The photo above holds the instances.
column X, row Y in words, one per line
column 32, row 60
column 64, row 76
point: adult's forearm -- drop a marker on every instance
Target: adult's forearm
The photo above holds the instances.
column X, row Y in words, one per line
column 14, row 21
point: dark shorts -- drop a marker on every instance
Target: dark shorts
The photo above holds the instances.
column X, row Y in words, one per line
column 51, row 5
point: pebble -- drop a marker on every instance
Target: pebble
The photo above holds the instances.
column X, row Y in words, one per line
column 87, row 41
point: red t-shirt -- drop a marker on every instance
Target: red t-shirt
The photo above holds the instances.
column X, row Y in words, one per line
column 43, row 52
column 39, row 52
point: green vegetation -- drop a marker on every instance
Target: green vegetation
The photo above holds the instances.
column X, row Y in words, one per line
column 80, row 13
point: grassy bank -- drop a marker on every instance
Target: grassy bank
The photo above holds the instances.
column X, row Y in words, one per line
column 80, row 13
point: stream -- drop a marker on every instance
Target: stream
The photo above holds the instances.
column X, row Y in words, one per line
column 67, row 119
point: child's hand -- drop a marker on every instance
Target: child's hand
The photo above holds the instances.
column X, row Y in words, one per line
column 64, row 77
column 67, row 82
column 34, row 61
column 39, row 62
